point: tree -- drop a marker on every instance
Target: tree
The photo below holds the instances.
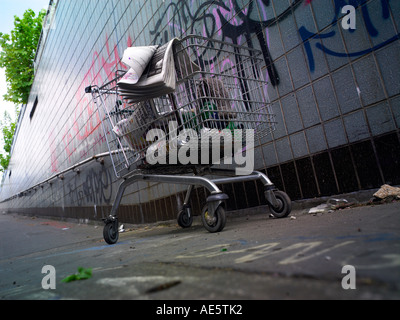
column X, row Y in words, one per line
column 17, row 57
column 7, row 127
column 18, row 53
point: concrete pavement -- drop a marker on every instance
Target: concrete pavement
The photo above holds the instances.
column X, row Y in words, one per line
column 254, row 257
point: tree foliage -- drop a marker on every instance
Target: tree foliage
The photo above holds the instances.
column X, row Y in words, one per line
column 18, row 53
column 7, row 127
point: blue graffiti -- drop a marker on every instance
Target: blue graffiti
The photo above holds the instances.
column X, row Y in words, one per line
column 185, row 19
column 307, row 36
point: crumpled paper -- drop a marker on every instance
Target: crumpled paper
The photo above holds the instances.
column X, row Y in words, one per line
column 387, row 191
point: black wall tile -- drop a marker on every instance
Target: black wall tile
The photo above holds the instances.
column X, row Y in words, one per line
column 388, row 150
column 290, row 180
column 307, row 178
column 251, row 193
column 366, row 166
column 274, row 174
column 240, row 195
column 344, row 169
column 229, row 191
column 325, row 176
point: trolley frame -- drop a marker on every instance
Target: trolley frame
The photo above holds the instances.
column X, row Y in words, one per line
column 130, row 157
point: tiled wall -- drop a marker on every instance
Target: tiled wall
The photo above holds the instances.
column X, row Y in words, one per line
column 335, row 93
column 342, row 89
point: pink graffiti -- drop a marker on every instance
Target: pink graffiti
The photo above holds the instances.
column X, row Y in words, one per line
column 85, row 121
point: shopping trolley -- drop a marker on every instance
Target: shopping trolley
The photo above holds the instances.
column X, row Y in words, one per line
column 217, row 104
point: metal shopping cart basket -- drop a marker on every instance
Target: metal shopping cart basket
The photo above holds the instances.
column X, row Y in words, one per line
column 216, row 106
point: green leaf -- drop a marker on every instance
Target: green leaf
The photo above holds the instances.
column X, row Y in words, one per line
column 82, row 274
column 70, row 278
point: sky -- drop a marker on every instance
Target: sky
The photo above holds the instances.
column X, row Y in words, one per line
column 9, row 9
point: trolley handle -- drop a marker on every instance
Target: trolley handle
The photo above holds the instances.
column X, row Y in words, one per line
column 88, row 89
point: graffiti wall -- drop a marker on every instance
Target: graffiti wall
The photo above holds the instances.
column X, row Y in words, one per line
column 333, row 71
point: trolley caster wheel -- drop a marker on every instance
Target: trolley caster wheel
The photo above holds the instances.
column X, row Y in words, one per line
column 185, row 218
column 284, row 205
column 110, row 232
column 216, row 222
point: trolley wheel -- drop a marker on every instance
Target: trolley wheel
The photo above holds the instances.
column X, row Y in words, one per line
column 216, row 223
column 284, row 205
column 110, row 232
column 185, row 219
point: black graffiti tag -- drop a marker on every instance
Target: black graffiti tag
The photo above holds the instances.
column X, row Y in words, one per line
column 95, row 189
